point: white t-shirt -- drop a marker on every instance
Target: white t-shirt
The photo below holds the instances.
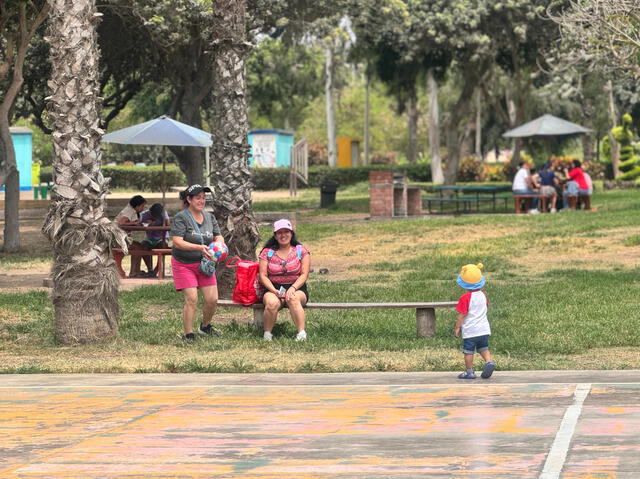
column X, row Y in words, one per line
column 520, row 180
column 473, row 304
column 128, row 212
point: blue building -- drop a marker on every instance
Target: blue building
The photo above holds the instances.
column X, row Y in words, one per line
column 270, row 148
column 22, row 138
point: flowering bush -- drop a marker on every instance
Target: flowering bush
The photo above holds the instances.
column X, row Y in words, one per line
column 471, row 168
column 495, row 173
column 318, row 154
column 596, row 170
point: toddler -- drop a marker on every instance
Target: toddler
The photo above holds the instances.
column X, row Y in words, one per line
column 472, row 320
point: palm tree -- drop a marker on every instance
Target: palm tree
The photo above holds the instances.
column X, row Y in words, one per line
column 230, row 148
column 85, row 281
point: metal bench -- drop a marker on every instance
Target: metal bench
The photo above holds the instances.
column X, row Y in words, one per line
column 425, row 312
column 465, row 201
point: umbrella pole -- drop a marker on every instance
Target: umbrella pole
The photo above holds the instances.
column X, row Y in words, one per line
column 207, row 166
column 164, row 174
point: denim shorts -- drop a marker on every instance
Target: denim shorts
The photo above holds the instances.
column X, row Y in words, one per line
column 477, row 344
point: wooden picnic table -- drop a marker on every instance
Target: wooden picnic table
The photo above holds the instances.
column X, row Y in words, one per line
column 118, row 254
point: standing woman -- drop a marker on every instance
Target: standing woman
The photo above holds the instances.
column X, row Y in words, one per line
column 192, row 230
column 284, row 269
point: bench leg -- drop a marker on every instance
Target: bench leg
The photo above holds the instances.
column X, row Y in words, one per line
column 426, row 322
column 160, row 266
column 258, row 320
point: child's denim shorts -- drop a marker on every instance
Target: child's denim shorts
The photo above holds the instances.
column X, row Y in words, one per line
column 477, row 344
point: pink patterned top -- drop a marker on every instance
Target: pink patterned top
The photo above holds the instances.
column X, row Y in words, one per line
column 284, row 271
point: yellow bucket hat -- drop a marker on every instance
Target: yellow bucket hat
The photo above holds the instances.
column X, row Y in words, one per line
column 470, row 276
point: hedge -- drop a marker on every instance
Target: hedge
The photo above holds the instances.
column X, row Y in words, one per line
column 137, row 178
column 149, row 178
column 278, row 178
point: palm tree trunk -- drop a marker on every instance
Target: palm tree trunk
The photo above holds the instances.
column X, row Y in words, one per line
column 230, row 148
column 85, row 281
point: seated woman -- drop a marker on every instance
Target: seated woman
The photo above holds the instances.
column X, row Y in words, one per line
column 577, row 184
column 284, row 269
column 130, row 216
column 155, row 216
column 548, row 183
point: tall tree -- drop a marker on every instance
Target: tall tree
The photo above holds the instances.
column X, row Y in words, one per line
column 230, row 148
column 85, row 281
column 19, row 21
column 604, row 33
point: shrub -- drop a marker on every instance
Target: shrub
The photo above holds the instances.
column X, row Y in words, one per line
column 596, row 170
column 471, row 168
column 388, row 158
column 495, row 172
column 318, row 154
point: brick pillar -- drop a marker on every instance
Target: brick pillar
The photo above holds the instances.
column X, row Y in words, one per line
column 414, row 201
column 380, row 193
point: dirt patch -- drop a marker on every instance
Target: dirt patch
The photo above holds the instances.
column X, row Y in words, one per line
column 362, row 249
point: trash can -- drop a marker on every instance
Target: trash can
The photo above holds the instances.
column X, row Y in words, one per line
column 328, row 193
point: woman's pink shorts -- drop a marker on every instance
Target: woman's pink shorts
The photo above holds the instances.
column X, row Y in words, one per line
column 188, row 275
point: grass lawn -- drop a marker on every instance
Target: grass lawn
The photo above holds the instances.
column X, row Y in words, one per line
column 563, row 290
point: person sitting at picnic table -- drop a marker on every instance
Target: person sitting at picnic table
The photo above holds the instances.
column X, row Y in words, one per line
column 522, row 185
column 283, row 271
column 130, row 216
column 547, row 183
column 577, row 184
column 155, row 216
column 192, row 230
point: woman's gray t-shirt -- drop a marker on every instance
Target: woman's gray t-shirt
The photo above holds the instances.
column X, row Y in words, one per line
column 184, row 227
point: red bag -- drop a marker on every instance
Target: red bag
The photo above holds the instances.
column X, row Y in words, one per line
column 247, row 288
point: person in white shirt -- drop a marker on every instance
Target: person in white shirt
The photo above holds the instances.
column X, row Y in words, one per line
column 472, row 321
column 523, row 185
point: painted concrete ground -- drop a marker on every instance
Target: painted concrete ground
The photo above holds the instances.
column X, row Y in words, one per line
column 565, row 425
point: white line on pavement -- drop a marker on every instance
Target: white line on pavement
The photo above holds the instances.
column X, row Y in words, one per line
column 558, row 453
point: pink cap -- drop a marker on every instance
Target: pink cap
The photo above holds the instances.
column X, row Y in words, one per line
column 282, row 224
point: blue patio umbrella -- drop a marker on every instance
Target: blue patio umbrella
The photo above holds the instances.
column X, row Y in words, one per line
column 163, row 131
column 545, row 127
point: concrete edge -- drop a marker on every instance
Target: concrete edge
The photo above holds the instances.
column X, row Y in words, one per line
column 320, row 379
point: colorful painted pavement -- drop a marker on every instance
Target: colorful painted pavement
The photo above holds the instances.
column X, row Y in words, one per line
column 320, row 426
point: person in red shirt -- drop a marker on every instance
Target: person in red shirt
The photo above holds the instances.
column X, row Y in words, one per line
column 576, row 175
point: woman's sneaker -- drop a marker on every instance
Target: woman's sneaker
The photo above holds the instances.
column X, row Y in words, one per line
column 267, row 336
column 208, row 330
column 189, row 337
column 301, row 336
column 488, row 370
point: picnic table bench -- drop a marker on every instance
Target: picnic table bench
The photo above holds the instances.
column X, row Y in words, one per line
column 425, row 312
column 118, row 255
column 467, row 196
column 527, row 199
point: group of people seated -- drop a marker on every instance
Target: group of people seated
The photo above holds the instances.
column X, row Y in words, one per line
column 571, row 184
column 134, row 214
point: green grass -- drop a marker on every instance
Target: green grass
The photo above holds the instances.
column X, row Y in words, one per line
column 554, row 314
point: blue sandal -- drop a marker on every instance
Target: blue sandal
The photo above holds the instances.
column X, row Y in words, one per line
column 488, row 369
column 467, row 375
